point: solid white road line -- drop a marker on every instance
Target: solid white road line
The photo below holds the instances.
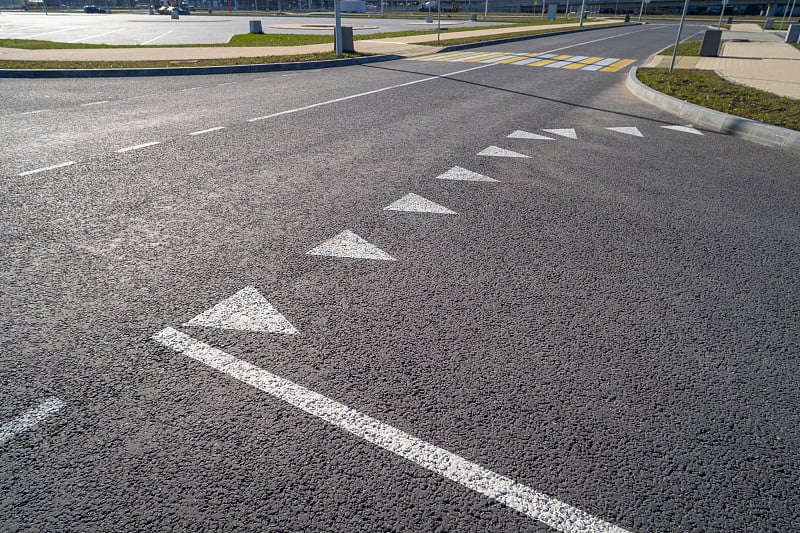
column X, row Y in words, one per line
column 93, row 36
column 209, row 130
column 95, row 103
column 375, row 91
column 29, row 418
column 137, row 147
column 52, row 167
column 550, row 511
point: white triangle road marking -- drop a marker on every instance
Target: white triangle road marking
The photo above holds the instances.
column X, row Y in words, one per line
column 348, row 244
column 496, row 151
column 246, row 310
column 414, row 203
column 628, row 131
column 519, row 134
column 686, row 129
column 565, row 132
column 462, row 174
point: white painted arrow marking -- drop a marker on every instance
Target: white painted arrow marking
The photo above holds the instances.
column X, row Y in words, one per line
column 565, row 132
column 246, row 310
column 462, row 174
column 519, row 134
column 414, row 203
column 348, row 244
column 686, row 129
column 521, row 498
column 29, row 418
column 496, row 151
column 628, row 131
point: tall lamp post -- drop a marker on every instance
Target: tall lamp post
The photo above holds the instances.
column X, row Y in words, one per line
column 678, row 38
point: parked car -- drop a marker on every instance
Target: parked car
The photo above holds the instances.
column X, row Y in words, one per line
column 95, row 9
column 164, row 10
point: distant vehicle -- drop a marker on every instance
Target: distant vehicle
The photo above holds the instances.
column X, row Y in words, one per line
column 164, row 10
column 433, row 5
column 95, row 9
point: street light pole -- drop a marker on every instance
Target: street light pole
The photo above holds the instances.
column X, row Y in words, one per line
column 337, row 33
column 678, row 38
column 583, row 5
column 439, row 22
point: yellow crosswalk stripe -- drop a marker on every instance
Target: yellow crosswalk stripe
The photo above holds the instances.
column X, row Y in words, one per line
column 541, row 63
column 459, row 55
column 475, row 60
column 431, row 56
column 590, row 60
column 517, row 58
column 622, row 63
column 574, row 66
column 561, row 58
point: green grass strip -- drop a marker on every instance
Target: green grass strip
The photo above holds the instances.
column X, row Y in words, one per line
column 164, row 64
column 691, row 49
column 707, row 89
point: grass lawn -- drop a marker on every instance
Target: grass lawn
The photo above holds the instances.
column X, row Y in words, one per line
column 706, row 88
column 163, row 64
column 479, row 39
column 692, row 48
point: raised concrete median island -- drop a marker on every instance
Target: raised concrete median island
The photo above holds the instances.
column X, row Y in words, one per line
column 753, row 73
column 367, row 50
column 758, row 132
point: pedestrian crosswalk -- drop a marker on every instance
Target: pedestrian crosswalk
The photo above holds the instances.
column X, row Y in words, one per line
column 569, row 62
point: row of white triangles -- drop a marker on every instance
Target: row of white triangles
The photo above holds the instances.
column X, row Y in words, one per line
column 246, row 310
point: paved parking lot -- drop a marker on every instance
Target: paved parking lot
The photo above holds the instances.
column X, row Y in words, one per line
column 144, row 29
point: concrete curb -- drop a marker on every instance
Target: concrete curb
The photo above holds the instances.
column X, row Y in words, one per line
column 467, row 46
column 751, row 130
column 190, row 71
column 244, row 69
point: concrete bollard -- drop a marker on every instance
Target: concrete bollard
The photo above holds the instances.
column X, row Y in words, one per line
column 255, row 26
column 347, row 39
column 473, row 17
column 769, row 23
column 710, row 45
column 793, row 35
column 175, row 15
column 730, row 21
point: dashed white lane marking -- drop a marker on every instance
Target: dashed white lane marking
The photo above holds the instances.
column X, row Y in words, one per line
column 137, row 147
column 188, row 89
column 519, row 134
column 35, row 112
column 209, row 130
column 496, row 151
column 366, row 93
column 246, row 310
column 686, row 129
column 414, row 203
column 43, row 169
column 628, row 131
column 462, row 174
column 564, row 132
column 157, row 38
column 502, row 489
column 348, row 244
column 95, row 103
column 29, row 418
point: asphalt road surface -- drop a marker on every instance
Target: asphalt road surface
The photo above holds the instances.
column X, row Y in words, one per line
column 601, row 334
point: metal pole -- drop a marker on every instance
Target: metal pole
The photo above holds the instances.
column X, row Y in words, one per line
column 783, row 19
column 337, row 33
column 722, row 12
column 641, row 9
column 678, row 38
column 544, row 2
column 439, row 21
column 583, row 4
column 382, row 2
column 616, row 7
column 486, row 9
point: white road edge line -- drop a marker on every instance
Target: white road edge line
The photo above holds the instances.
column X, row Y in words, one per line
column 29, row 418
column 536, row 505
column 156, row 38
column 375, row 91
column 43, row 169
column 209, row 130
column 96, row 103
column 137, row 147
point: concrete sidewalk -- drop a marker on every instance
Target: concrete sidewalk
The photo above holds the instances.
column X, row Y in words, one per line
column 762, row 61
column 402, row 46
